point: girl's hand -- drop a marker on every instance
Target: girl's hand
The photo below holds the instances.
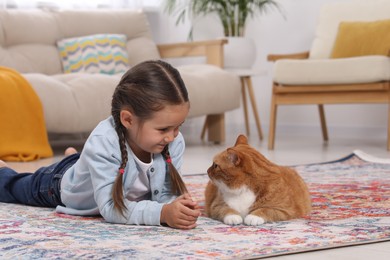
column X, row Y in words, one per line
column 181, row 213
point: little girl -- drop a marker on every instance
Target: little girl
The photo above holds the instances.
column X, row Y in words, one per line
column 127, row 170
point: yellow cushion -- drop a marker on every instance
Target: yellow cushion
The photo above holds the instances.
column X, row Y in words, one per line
column 362, row 38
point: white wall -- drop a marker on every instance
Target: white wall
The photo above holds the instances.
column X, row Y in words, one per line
column 277, row 34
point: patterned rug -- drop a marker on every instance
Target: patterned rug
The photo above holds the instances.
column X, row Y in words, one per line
column 351, row 205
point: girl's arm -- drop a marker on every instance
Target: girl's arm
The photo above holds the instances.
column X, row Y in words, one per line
column 103, row 158
column 104, row 166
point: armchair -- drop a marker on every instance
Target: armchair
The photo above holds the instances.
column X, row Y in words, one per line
column 327, row 74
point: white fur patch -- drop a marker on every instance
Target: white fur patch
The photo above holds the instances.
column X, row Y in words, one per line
column 232, row 219
column 253, row 220
column 238, row 199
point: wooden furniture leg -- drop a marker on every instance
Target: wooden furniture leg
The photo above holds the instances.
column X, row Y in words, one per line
column 215, row 126
column 244, row 103
column 323, row 122
column 204, row 129
column 388, row 127
column 254, row 106
column 272, row 124
column 388, row 115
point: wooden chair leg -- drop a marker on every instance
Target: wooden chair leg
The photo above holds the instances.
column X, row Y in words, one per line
column 245, row 105
column 388, row 119
column 254, row 106
column 272, row 124
column 323, row 122
column 388, row 129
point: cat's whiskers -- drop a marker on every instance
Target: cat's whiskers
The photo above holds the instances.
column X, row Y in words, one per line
column 240, row 199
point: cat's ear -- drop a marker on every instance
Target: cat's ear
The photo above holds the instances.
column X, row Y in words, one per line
column 241, row 139
column 233, row 157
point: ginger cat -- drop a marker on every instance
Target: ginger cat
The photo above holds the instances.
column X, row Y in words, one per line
column 247, row 188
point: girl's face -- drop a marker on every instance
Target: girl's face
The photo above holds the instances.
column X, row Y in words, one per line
column 152, row 135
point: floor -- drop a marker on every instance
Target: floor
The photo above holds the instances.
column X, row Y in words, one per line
column 290, row 149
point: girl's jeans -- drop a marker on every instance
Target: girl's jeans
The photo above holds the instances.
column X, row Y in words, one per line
column 42, row 188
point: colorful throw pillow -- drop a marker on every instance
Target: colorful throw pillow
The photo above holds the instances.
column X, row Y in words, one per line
column 100, row 53
column 362, row 38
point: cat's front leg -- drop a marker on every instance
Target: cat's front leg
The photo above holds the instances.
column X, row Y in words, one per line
column 253, row 220
column 232, row 219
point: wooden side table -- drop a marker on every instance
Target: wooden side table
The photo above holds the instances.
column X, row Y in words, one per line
column 246, row 85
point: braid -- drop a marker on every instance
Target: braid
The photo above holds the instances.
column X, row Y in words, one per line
column 117, row 191
column 178, row 187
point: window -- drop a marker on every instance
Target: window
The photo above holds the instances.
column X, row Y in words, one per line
column 79, row 4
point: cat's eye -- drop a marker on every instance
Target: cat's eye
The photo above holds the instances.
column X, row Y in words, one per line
column 214, row 166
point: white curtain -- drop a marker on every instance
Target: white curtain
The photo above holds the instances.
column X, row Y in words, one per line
column 81, row 4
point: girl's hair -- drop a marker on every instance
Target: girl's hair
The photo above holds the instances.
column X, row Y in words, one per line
column 143, row 90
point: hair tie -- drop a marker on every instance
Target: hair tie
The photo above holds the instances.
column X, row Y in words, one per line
column 121, row 171
column 166, row 154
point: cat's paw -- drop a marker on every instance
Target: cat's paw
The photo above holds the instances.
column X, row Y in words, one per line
column 253, row 220
column 232, row 219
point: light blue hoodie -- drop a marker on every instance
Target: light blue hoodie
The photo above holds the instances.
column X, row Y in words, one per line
column 86, row 187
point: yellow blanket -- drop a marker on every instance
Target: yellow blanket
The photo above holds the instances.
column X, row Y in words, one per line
column 23, row 135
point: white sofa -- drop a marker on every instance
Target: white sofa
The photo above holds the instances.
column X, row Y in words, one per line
column 76, row 102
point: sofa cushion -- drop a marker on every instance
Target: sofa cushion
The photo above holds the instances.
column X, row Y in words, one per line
column 132, row 23
column 210, row 86
column 146, row 50
column 332, row 71
column 362, row 38
column 77, row 112
column 333, row 13
column 28, row 48
column 99, row 53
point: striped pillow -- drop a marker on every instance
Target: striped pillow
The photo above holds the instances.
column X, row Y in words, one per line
column 100, row 53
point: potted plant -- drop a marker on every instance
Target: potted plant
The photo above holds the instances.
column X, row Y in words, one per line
column 233, row 15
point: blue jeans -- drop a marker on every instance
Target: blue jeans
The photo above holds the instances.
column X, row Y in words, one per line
column 42, row 188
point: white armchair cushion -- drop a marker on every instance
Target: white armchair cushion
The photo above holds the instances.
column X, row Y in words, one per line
column 332, row 14
column 354, row 70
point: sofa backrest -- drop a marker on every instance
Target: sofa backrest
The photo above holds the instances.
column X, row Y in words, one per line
column 332, row 14
column 28, row 37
